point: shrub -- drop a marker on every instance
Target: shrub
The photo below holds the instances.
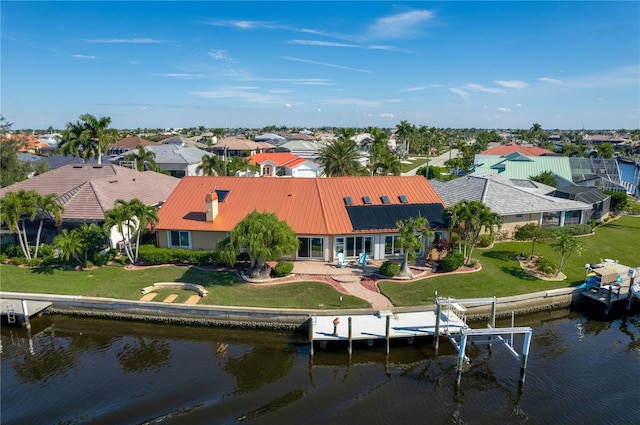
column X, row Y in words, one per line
column 574, row 229
column 149, row 254
column 485, row 240
column 283, row 268
column 442, row 245
column 11, row 250
column 389, row 269
column 17, row 261
column 545, row 265
column 452, row 261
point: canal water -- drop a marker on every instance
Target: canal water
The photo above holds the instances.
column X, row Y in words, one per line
column 582, row 368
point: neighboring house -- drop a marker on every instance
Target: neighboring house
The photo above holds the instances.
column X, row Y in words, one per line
column 300, row 136
column 329, row 215
column 239, row 146
column 271, row 138
column 49, row 142
column 599, row 202
column 285, row 164
column 58, row 161
column 185, row 142
column 179, row 161
column 509, row 148
column 518, row 202
column 87, row 191
column 301, row 148
column 519, row 166
column 129, row 143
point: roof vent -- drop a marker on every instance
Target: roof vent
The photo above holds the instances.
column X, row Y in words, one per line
column 385, row 199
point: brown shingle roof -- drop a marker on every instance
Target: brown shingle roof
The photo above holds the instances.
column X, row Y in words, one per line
column 131, row 142
column 87, row 191
column 313, row 206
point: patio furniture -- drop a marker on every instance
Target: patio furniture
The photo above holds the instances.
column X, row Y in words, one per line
column 342, row 262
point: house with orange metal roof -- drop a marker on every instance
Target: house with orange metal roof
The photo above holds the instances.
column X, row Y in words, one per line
column 333, row 215
column 509, row 148
column 282, row 164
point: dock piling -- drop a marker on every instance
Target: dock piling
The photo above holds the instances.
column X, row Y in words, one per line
column 387, row 334
column 461, row 357
column 436, row 331
column 525, row 356
column 311, row 336
column 350, row 337
column 25, row 311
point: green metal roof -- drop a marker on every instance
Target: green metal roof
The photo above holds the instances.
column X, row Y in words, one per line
column 514, row 167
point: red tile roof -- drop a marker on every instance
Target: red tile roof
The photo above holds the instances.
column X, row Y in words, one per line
column 313, row 206
column 278, row 158
column 503, row 150
column 132, row 142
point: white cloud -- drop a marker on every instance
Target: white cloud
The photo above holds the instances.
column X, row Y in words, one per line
column 220, row 55
column 512, row 84
column 352, row 101
column 127, row 40
column 518, row 105
column 386, row 115
column 421, row 88
column 481, row 88
column 336, row 44
column 179, row 75
column 549, row 80
column 403, row 25
column 77, row 56
column 325, row 64
column 244, row 93
column 318, row 110
column 288, row 105
column 394, row 100
column 463, row 94
column 503, row 109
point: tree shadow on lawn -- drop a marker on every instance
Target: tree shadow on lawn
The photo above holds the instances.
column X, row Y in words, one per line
column 43, row 270
column 502, row 255
column 209, row 278
column 518, row 273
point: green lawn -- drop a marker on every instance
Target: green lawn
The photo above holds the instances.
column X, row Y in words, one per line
column 225, row 288
column 500, row 276
column 416, row 161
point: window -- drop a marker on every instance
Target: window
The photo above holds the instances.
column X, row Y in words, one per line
column 352, row 246
column 403, row 199
column 550, row 219
column 366, row 200
column 311, row 248
column 347, row 200
column 391, row 246
column 180, row 239
column 572, row 217
column 385, row 199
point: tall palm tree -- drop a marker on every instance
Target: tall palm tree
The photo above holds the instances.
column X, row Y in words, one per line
column 340, row 158
column 211, row 166
column 15, row 208
column 47, row 205
column 388, row 163
column 405, row 132
column 88, row 137
column 144, row 159
column 378, row 148
column 145, row 215
column 476, row 216
column 121, row 218
column 98, row 133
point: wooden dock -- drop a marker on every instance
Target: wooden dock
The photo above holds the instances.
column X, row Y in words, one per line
column 13, row 310
column 374, row 326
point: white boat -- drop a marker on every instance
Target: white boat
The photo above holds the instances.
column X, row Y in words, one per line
column 635, row 290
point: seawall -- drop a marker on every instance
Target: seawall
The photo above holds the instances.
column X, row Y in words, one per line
column 268, row 318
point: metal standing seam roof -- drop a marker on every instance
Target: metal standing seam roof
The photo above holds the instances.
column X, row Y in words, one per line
column 313, row 206
column 277, row 158
column 502, row 150
column 87, row 191
column 519, row 169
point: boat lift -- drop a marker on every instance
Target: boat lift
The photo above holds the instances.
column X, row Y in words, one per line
column 487, row 336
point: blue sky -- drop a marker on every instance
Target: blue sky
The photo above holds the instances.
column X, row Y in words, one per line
column 567, row 65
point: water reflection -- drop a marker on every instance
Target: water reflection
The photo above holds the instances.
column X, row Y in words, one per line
column 103, row 372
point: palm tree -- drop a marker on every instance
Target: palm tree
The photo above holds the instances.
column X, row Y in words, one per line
column 15, row 207
column 92, row 239
column 388, row 163
column 88, row 137
column 475, row 216
column 410, row 231
column 47, row 205
column 69, row 243
column 211, row 166
column 144, row 159
column 121, row 218
column 340, row 158
column 378, row 148
column 405, row 132
column 98, row 133
column 145, row 215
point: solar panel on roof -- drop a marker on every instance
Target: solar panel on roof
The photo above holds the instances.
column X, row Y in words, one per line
column 366, row 200
column 347, row 200
column 385, row 199
column 403, row 199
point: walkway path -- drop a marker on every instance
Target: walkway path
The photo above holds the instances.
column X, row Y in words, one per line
column 349, row 278
column 436, row 161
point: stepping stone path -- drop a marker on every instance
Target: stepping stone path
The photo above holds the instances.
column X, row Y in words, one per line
column 193, row 299
column 149, row 296
column 170, row 298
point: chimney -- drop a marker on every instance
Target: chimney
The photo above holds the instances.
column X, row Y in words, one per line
column 212, row 205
